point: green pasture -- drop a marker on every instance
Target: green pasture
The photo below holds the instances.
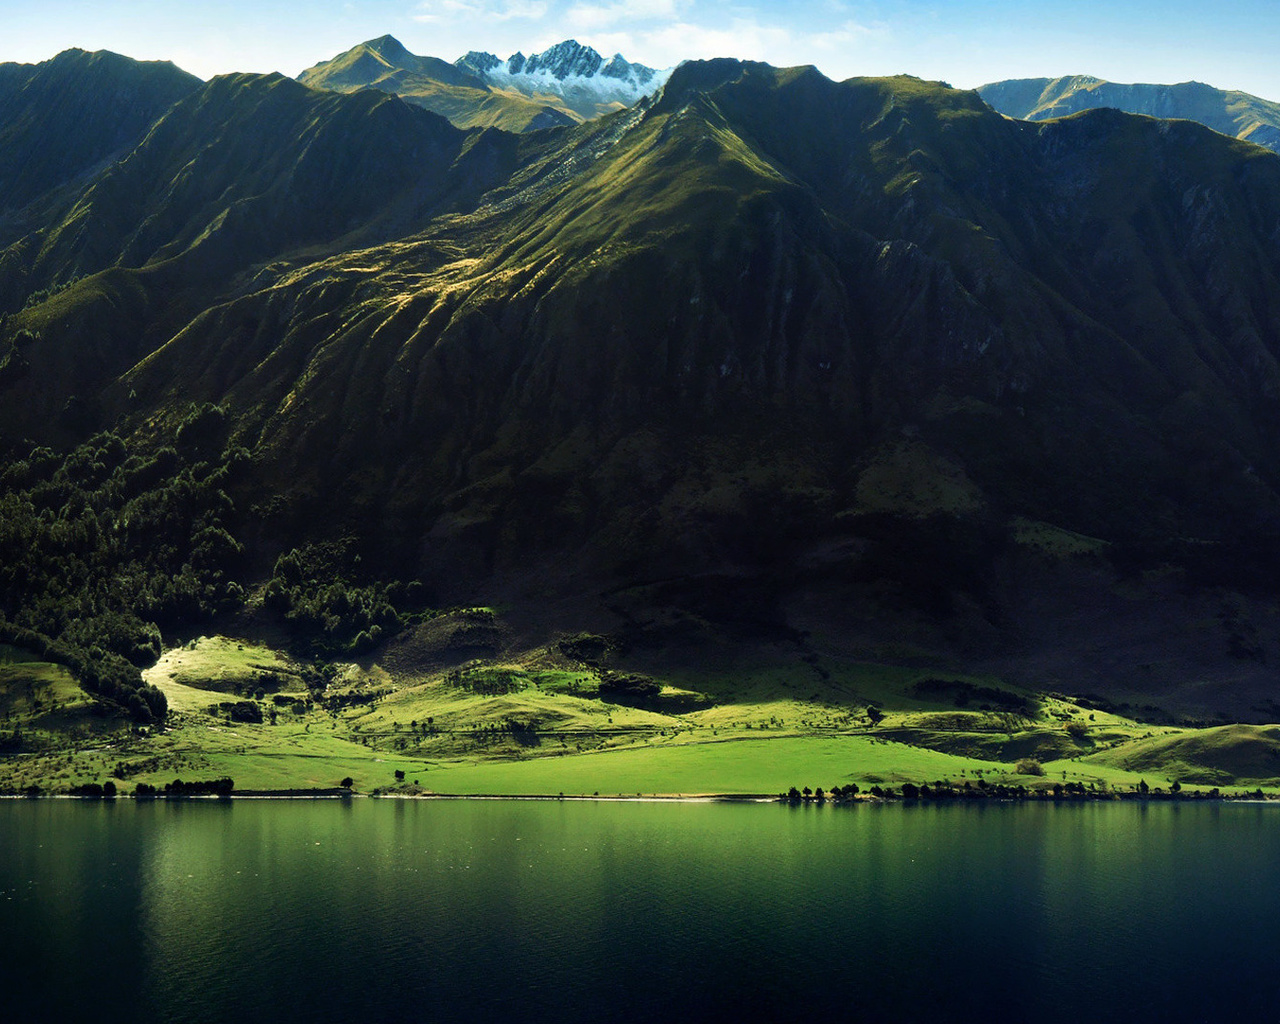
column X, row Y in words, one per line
column 739, row 765
column 535, row 724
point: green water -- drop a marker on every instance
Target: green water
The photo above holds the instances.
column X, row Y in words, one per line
column 545, row 911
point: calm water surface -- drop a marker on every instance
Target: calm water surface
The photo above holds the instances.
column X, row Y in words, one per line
column 544, row 911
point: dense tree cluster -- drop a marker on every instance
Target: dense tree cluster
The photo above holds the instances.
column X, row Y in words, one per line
column 103, row 546
column 943, row 790
column 177, row 788
column 95, row 790
column 627, row 687
column 964, row 694
column 319, row 591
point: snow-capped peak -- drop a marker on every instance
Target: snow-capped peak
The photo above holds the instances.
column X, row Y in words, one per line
column 570, row 70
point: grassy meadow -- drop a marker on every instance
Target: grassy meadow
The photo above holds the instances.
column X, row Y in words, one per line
column 544, row 721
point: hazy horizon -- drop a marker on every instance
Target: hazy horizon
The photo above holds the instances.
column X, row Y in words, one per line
column 967, row 43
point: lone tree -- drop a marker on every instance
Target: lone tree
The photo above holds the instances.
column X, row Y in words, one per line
column 347, row 783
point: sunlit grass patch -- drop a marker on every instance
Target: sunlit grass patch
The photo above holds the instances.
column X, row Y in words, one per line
column 224, row 665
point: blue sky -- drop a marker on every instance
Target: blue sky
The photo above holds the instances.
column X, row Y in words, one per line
column 1230, row 44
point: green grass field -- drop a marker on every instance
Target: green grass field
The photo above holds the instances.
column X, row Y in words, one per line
column 537, row 724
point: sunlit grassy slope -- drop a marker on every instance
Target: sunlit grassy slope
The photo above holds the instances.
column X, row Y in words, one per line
column 537, row 723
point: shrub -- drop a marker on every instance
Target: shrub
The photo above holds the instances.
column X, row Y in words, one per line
column 1029, row 766
column 627, row 686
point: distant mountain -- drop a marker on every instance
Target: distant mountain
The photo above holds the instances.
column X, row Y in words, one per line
column 564, row 85
column 71, row 115
column 370, row 62
column 1232, row 113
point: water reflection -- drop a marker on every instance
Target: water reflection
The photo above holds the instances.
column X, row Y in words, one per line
column 461, row 911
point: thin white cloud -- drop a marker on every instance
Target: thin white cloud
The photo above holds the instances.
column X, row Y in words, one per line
column 759, row 35
column 444, row 12
column 532, row 10
column 849, row 34
column 744, row 38
column 587, row 17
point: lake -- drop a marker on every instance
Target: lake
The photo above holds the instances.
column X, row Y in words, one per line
column 368, row 910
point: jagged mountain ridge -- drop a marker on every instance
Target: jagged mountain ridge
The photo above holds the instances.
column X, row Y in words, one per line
column 768, row 323
column 570, row 69
column 1230, row 112
column 565, row 84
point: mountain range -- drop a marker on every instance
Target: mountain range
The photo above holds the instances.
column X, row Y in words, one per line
column 1227, row 111
column 865, row 359
column 566, row 84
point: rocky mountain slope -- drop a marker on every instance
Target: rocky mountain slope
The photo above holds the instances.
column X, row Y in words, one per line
column 1227, row 111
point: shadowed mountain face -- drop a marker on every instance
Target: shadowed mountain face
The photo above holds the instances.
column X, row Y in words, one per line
column 1230, row 112
column 766, row 325
column 67, row 117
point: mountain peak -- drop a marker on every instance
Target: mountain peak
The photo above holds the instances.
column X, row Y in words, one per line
column 564, row 59
column 65, row 115
column 564, row 84
column 479, row 61
column 389, row 47
column 368, row 63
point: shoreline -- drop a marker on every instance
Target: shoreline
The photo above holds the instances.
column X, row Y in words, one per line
column 869, row 799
